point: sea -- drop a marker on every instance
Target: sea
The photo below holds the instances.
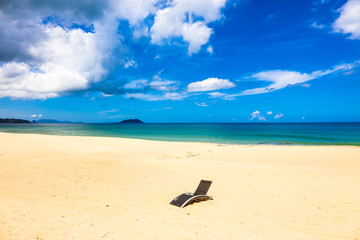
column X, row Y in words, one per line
column 221, row 133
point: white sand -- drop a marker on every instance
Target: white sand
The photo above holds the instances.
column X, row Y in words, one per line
column 54, row 187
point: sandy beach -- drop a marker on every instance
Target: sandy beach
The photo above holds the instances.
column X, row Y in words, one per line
column 62, row 187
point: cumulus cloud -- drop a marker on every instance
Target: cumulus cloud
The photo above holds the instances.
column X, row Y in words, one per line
column 269, row 113
column 278, row 116
column 258, row 116
column 196, row 34
column 176, row 20
column 50, row 48
column 210, row 84
column 23, row 23
column 349, row 19
column 67, row 60
column 48, row 59
column 134, row 11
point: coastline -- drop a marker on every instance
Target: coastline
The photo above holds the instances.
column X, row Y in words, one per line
column 298, row 134
column 249, row 144
column 64, row 187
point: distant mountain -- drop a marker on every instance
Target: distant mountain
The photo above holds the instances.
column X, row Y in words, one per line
column 131, row 121
column 53, row 121
column 13, row 120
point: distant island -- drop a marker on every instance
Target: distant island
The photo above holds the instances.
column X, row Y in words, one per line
column 13, row 120
column 53, row 121
column 131, row 121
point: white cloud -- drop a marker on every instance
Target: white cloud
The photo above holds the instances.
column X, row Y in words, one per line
column 210, row 49
column 164, row 85
column 349, row 19
column 201, row 104
column 269, row 113
column 68, row 60
column 109, row 111
column 216, row 94
column 317, row 26
column 176, row 21
column 196, row 34
column 257, row 115
column 224, row 96
column 175, row 96
column 159, row 84
column 136, row 84
column 104, row 95
column 142, row 96
column 156, row 97
column 141, row 31
column 278, row 116
column 210, row 84
column 42, row 56
column 130, row 63
column 305, row 85
column 280, row 79
column 33, row 116
column 134, row 11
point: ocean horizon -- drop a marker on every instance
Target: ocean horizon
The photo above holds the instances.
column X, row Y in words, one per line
column 319, row 133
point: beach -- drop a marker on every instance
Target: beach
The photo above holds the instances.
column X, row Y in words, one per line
column 68, row 187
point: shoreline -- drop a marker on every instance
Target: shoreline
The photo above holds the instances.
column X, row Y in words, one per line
column 71, row 187
column 176, row 141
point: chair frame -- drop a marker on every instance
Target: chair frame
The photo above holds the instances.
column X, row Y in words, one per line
column 192, row 199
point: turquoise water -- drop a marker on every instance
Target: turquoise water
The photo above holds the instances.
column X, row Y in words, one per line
column 230, row 133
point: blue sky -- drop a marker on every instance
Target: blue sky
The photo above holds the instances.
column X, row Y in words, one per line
column 180, row 60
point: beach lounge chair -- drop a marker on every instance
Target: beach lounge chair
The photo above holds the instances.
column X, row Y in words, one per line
column 199, row 195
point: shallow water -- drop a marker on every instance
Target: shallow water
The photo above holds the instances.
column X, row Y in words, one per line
column 230, row 133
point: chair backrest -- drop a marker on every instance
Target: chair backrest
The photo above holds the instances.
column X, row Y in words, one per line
column 203, row 187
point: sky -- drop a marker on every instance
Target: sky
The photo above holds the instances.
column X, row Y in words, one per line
column 170, row 61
